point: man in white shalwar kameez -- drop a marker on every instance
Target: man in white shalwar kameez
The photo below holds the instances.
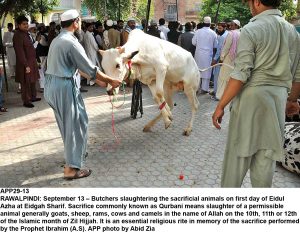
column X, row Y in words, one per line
column 205, row 41
column 91, row 47
column 10, row 51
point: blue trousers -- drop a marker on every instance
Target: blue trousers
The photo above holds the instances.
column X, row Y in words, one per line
column 68, row 106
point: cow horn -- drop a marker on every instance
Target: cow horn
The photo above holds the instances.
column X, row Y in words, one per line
column 101, row 52
column 133, row 54
column 121, row 49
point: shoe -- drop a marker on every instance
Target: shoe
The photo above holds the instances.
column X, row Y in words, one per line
column 80, row 173
column 28, row 105
column 2, row 109
column 201, row 92
column 212, row 93
column 83, row 90
column 36, row 99
column 214, row 98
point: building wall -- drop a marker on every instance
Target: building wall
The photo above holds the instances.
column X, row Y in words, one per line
column 187, row 10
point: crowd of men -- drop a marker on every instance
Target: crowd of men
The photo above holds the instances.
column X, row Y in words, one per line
column 207, row 50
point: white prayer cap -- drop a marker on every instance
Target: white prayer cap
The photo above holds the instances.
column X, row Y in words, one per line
column 207, row 19
column 69, row 14
column 237, row 22
column 32, row 25
column 131, row 19
column 109, row 22
column 153, row 22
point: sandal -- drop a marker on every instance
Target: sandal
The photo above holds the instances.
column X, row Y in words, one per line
column 2, row 109
column 80, row 173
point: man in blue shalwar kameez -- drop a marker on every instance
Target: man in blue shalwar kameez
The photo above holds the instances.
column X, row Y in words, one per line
column 66, row 55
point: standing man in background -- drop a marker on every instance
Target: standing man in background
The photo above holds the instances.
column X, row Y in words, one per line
column 205, row 41
column 27, row 72
column 222, row 34
column 128, row 28
column 10, row 51
column 163, row 28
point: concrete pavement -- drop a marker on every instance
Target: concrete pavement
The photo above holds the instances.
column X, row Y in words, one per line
column 31, row 149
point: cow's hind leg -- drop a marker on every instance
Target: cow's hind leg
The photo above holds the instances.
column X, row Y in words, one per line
column 191, row 95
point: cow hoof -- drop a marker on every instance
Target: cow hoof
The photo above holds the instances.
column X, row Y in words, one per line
column 167, row 124
column 187, row 132
column 147, row 129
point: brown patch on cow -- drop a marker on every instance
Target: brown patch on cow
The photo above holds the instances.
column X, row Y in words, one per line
column 180, row 86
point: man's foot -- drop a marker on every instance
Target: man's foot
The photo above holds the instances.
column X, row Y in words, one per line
column 75, row 173
column 212, row 93
column 28, row 105
column 35, row 99
column 83, row 90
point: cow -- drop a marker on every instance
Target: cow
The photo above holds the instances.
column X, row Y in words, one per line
column 163, row 66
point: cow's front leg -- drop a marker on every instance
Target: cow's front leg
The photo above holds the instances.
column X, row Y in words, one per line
column 163, row 106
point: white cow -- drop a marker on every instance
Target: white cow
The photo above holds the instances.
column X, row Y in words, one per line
column 161, row 65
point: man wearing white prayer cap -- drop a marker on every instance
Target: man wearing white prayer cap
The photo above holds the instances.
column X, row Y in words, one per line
column 129, row 27
column 207, row 19
column 66, row 55
column 237, row 22
column 205, row 41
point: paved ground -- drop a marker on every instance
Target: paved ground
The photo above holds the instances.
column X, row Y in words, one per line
column 31, row 149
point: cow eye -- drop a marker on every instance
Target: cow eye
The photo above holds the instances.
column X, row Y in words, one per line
column 118, row 66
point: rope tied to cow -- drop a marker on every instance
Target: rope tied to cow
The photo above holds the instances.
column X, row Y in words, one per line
column 137, row 100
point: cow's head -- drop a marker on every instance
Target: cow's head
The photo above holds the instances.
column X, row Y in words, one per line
column 115, row 64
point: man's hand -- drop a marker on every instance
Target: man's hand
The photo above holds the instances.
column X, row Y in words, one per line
column 292, row 108
column 27, row 70
column 217, row 117
column 115, row 83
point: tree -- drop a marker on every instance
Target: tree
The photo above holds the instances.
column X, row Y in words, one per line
column 18, row 7
column 236, row 9
column 108, row 8
column 142, row 10
column 133, row 8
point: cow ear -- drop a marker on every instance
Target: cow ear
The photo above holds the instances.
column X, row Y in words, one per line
column 101, row 52
column 133, row 54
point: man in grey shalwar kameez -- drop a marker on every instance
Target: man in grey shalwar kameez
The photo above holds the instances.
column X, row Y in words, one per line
column 66, row 55
column 266, row 64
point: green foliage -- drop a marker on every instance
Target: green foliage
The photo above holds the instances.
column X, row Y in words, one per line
column 236, row 9
column 18, row 7
column 142, row 10
column 97, row 7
